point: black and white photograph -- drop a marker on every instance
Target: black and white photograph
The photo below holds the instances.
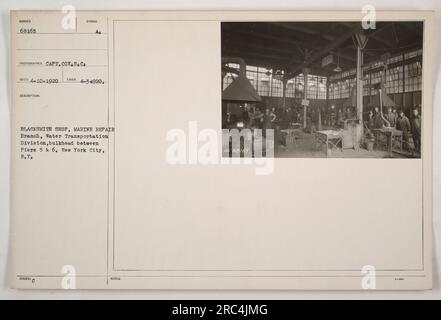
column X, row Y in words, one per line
column 133, row 171
column 324, row 89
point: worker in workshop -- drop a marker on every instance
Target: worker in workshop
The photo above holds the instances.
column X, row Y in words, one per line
column 340, row 117
column 227, row 119
column 378, row 120
column 403, row 124
column 348, row 114
column 257, row 118
column 332, row 116
column 279, row 138
column 296, row 115
column 394, row 111
column 416, row 129
column 314, row 120
column 287, row 118
column 391, row 117
column 267, row 123
column 273, row 115
column 370, row 121
column 246, row 116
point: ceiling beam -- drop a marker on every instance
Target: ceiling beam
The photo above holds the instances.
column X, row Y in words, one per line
column 388, row 43
column 243, row 54
column 294, row 26
column 415, row 31
column 319, row 54
column 246, row 47
column 277, row 39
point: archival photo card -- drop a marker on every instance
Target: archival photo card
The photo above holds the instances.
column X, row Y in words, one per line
column 221, row 150
column 322, row 89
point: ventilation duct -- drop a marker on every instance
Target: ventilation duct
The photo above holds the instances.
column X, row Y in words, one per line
column 240, row 90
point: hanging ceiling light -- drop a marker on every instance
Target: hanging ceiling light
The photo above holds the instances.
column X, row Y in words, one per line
column 337, row 68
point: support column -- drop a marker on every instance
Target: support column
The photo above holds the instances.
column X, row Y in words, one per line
column 284, row 82
column 320, row 127
column 361, row 41
column 370, row 88
column 305, row 93
column 403, row 74
column 359, row 131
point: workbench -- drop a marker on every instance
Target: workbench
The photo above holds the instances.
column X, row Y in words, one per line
column 391, row 135
column 291, row 136
column 330, row 138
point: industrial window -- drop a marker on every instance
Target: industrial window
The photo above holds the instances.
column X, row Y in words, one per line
column 300, row 84
column 345, row 89
column 367, row 85
column 228, row 79
column 312, row 87
column 290, row 88
column 395, row 59
column 376, row 78
column 253, row 78
column 413, row 54
column 394, row 80
column 335, row 89
column 412, row 74
column 316, row 87
column 332, row 91
column 230, row 76
column 268, row 82
column 264, row 85
column 277, row 88
column 341, row 89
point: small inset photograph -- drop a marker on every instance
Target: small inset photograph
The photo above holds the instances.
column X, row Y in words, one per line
column 322, row 89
